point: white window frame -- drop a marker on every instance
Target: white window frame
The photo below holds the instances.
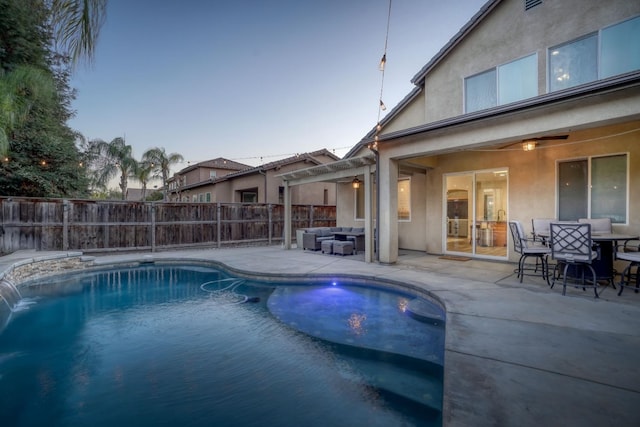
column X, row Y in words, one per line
column 599, row 62
column 589, row 182
column 496, row 71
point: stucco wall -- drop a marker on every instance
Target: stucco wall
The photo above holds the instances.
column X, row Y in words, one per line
column 508, row 33
column 412, row 234
column 533, row 177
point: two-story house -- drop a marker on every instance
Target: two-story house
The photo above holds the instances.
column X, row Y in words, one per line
column 532, row 110
column 190, row 183
column 222, row 180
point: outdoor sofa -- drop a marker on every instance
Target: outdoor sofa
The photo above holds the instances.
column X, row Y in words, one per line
column 312, row 238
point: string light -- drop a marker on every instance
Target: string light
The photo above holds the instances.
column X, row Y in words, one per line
column 263, row 157
column 383, row 63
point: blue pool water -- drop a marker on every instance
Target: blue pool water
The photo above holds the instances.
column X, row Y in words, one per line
column 194, row 346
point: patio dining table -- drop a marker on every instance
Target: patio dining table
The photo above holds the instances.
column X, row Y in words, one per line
column 603, row 265
column 359, row 238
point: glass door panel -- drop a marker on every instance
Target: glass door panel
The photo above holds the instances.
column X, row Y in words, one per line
column 491, row 213
column 476, row 213
column 459, row 214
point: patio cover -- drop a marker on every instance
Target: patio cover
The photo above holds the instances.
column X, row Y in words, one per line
column 337, row 171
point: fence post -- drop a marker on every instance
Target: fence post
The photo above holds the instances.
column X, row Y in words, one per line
column 270, row 210
column 219, row 222
column 65, row 225
column 153, row 226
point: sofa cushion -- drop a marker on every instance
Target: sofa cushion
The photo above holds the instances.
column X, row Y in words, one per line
column 358, row 229
column 325, row 232
column 347, row 229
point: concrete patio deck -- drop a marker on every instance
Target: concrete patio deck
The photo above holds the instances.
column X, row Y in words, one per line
column 516, row 354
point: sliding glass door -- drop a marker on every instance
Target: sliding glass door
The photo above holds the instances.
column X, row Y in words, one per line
column 476, row 213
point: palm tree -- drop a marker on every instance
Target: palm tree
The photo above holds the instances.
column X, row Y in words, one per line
column 143, row 174
column 113, row 158
column 161, row 164
column 76, row 26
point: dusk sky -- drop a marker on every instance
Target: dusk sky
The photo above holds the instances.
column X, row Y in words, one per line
column 254, row 80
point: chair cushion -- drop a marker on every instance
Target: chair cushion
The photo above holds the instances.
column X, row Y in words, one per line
column 358, row 229
column 628, row 256
column 534, row 250
column 598, row 225
column 576, row 258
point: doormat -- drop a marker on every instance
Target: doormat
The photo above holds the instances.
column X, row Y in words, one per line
column 455, row 258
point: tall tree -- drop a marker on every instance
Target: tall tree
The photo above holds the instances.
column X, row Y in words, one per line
column 41, row 158
column 20, row 89
column 110, row 160
column 143, row 174
column 162, row 163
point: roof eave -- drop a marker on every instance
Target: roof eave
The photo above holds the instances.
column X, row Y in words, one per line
column 386, row 119
column 455, row 40
column 601, row 86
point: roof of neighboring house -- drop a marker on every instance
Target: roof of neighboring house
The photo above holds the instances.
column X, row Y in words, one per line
column 135, row 194
column 219, row 163
column 310, row 158
column 305, row 157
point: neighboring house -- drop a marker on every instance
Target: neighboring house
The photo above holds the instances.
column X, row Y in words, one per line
column 135, row 194
column 531, row 110
column 258, row 184
column 187, row 185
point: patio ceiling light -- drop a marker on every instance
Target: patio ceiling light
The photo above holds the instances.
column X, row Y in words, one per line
column 355, row 183
column 529, row 145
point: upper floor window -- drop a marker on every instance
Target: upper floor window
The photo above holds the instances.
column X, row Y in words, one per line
column 212, row 174
column 620, row 48
column 510, row 82
column 579, row 61
column 573, row 63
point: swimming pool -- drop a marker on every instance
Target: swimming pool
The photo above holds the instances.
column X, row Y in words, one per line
column 194, row 345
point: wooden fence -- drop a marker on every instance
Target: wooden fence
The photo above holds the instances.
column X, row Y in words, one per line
column 106, row 226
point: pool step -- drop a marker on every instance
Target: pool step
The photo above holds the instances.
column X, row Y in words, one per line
column 425, row 311
column 414, row 380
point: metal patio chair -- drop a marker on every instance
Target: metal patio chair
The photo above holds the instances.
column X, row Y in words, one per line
column 572, row 249
column 540, row 229
column 629, row 251
column 529, row 248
